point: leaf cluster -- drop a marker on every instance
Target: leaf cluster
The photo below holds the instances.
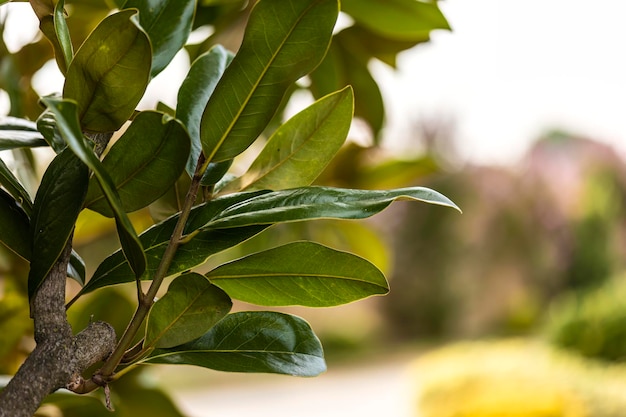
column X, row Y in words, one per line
column 177, row 162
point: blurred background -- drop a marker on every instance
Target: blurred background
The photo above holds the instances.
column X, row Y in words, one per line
column 518, row 306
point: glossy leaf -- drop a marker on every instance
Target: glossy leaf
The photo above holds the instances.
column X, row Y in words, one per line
column 319, row 202
column 47, row 125
column 58, row 201
column 63, row 33
column 109, row 72
column 167, row 23
column 14, row 226
column 265, row 342
column 300, row 149
column 397, row 19
column 191, row 306
column 143, row 164
column 300, row 273
column 65, row 112
column 115, row 269
column 19, row 133
column 194, row 93
column 172, row 201
column 284, row 40
column 15, row 188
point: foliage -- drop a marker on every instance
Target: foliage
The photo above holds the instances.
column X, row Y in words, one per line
column 592, row 322
column 224, row 105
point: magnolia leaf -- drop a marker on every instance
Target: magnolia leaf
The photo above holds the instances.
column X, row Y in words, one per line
column 168, row 24
column 300, row 273
column 14, row 226
column 47, row 125
column 299, row 150
column 284, row 40
column 404, row 20
column 265, row 342
column 143, row 164
column 319, row 202
column 63, row 33
column 109, row 72
column 15, row 188
column 65, row 112
column 199, row 247
column 19, row 133
column 58, row 201
column 191, row 306
column 194, row 93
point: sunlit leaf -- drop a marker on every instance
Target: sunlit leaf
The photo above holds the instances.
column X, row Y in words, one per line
column 143, row 164
column 319, row 202
column 284, row 40
column 167, row 23
column 201, row 245
column 194, row 93
column 265, row 342
column 191, row 306
column 300, row 273
column 397, row 19
column 109, row 72
column 58, row 201
column 301, row 148
column 65, row 112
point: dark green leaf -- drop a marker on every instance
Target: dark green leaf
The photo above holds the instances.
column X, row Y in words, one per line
column 65, row 112
column 252, row 342
column 63, row 33
column 109, row 72
column 13, row 186
column 194, row 93
column 300, row 273
column 15, row 123
column 76, row 268
column 319, row 202
column 301, row 148
column 14, row 226
column 58, row 201
column 18, row 133
column 191, row 306
column 397, row 19
column 143, row 164
column 167, row 23
column 284, row 40
column 172, row 201
column 115, row 269
column 47, row 125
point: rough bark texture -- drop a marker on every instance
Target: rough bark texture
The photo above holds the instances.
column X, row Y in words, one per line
column 59, row 356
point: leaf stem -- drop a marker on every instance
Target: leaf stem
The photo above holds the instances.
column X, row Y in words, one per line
column 146, row 300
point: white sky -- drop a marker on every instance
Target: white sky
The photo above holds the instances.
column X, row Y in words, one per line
column 510, row 70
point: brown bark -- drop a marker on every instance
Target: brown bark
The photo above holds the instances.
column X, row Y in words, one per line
column 59, row 356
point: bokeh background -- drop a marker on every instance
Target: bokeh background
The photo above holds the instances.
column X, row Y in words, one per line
column 517, row 307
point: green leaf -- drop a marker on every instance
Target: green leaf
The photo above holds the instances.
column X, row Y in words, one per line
column 47, row 125
column 58, row 201
column 65, row 112
column 191, row 306
column 319, row 202
column 18, row 133
column 13, row 186
column 143, row 164
column 299, row 150
column 194, row 94
column 109, row 72
column 342, row 67
column 14, row 226
column 201, row 245
column 252, row 342
column 168, row 25
column 63, row 33
column 284, row 40
column 397, row 19
column 300, row 273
